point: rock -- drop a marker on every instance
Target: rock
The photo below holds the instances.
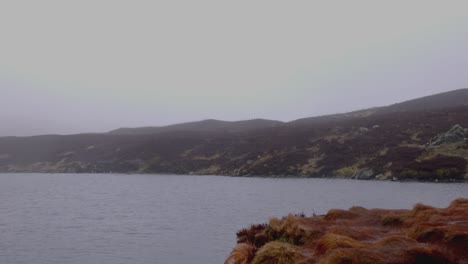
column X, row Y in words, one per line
column 382, row 177
column 457, row 130
column 365, row 174
column 454, row 135
column 363, row 130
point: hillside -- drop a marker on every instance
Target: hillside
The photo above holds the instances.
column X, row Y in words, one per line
column 210, row 125
column 438, row 101
column 380, row 143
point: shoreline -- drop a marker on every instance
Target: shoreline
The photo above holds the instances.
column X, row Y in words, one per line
column 244, row 176
column 249, row 176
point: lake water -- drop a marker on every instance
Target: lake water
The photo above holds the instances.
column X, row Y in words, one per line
column 136, row 219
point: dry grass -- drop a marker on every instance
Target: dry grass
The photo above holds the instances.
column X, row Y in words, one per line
column 293, row 229
column 394, row 241
column 422, row 235
column 242, row 253
column 421, row 207
column 332, row 241
column 427, row 255
column 336, row 214
column 250, row 235
column 348, row 256
column 278, row 253
column 459, row 204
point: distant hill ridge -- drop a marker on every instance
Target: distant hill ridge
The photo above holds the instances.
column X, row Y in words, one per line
column 209, row 125
column 437, row 101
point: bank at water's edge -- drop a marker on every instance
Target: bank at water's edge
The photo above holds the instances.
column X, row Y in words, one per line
column 422, row 235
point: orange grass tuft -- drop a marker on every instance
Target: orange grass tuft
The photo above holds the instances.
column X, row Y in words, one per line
column 427, row 255
column 421, row 207
column 351, row 256
column 278, row 253
column 253, row 235
column 459, row 203
column 332, row 241
column 292, row 229
column 423, row 234
column 242, row 253
column 358, row 209
column 457, row 243
column 336, row 214
column 428, row 233
column 394, row 241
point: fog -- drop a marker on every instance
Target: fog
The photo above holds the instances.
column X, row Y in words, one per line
column 93, row 66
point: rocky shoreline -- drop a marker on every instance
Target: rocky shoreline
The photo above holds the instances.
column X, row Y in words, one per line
column 422, row 235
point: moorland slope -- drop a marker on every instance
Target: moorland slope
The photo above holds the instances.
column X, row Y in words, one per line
column 386, row 143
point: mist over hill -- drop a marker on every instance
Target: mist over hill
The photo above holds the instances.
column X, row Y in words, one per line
column 210, row 125
column 385, row 143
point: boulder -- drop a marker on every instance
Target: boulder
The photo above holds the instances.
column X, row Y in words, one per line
column 365, row 174
column 363, row 130
column 454, row 135
column 382, row 177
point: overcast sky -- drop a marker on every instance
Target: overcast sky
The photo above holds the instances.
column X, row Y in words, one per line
column 92, row 66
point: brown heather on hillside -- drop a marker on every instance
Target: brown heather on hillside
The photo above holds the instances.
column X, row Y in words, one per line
column 376, row 236
column 387, row 143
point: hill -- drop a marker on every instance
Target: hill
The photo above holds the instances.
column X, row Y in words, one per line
column 432, row 102
column 391, row 142
column 210, row 125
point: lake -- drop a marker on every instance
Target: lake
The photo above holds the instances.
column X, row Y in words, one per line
column 136, row 219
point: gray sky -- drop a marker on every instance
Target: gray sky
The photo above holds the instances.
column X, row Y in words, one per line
column 92, row 66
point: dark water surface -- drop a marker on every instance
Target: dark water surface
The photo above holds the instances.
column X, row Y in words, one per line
column 136, row 219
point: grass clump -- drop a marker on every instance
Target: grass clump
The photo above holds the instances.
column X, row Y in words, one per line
column 332, row 241
column 242, row 253
column 253, row 235
column 287, row 230
column 423, row 234
column 337, row 214
column 427, row 255
column 351, row 256
column 394, row 241
column 278, row 253
column 392, row 220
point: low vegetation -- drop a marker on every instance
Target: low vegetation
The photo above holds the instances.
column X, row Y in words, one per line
column 410, row 141
column 422, row 235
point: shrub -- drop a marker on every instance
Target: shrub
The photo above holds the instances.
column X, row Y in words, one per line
column 249, row 235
